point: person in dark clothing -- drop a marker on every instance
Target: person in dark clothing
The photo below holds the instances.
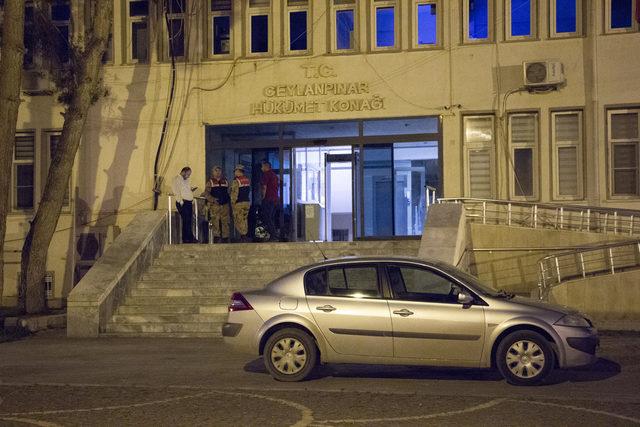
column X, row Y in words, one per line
column 183, row 193
column 269, row 189
column 217, row 194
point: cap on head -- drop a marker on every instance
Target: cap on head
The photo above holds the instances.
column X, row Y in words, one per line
column 239, row 168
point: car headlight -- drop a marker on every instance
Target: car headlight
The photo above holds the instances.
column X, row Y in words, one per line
column 573, row 320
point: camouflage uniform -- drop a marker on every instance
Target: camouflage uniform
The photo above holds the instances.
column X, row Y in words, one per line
column 218, row 200
column 240, row 190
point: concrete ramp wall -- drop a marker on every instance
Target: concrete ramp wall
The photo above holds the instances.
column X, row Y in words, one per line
column 444, row 237
column 612, row 301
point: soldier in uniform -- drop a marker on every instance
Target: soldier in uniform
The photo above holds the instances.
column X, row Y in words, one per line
column 240, row 191
column 217, row 190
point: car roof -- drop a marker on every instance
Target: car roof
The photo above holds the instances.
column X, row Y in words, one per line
column 375, row 259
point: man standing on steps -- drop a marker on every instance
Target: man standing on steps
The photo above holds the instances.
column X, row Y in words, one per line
column 240, row 192
column 269, row 189
column 183, row 192
column 217, row 194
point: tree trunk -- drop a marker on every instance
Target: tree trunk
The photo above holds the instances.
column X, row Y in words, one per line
column 10, row 82
column 86, row 68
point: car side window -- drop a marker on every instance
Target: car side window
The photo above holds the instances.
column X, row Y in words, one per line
column 420, row 284
column 348, row 281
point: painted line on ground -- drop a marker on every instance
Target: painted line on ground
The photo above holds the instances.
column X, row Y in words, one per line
column 474, row 408
column 579, row 408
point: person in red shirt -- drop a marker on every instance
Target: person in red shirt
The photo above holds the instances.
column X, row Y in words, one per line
column 269, row 189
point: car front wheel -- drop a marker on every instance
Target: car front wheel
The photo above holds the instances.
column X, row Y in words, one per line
column 524, row 358
column 290, row 355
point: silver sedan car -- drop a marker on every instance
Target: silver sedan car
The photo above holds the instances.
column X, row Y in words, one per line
column 403, row 311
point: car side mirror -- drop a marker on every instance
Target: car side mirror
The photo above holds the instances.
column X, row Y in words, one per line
column 464, row 298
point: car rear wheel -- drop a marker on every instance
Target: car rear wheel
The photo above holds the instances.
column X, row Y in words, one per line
column 290, row 355
column 524, row 358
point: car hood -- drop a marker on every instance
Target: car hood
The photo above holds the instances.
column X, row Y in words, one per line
column 560, row 309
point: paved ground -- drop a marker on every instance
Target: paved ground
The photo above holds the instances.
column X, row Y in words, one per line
column 49, row 380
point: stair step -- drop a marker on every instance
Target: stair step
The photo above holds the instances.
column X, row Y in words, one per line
column 177, row 301
column 173, row 309
column 181, row 293
column 182, row 335
column 245, row 284
column 169, row 318
column 184, row 327
column 209, row 278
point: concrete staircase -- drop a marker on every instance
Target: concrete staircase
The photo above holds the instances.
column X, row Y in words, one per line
column 186, row 291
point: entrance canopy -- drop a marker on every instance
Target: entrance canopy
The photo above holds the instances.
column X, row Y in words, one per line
column 339, row 180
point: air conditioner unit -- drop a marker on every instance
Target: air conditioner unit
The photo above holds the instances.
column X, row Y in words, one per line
column 35, row 83
column 543, row 73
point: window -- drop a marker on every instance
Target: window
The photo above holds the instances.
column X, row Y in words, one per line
column 624, row 138
column 425, row 23
column 344, row 20
column 521, row 19
column 478, row 18
column 138, row 31
column 175, row 25
column 23, row 171
column 385, row 25
column 523, row 144
column 29, row 38
column 566, row 135
column 479, row 148
column 61, row 19
column 220, row 16
column 420, row 284
column 566, row 18
column 53, row 141
column 350, row 281
column 297, row 25
column 619, row 15
column 259, row 19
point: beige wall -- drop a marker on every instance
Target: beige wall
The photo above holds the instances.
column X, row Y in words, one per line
column 114, row 171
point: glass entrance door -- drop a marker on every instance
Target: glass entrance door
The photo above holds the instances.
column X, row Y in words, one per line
column 338, row 197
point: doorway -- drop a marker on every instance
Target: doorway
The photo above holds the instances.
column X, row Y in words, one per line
column 339, row 197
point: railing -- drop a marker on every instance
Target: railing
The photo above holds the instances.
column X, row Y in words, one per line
column 195, row 222
column 550, row 215
column 608, row 258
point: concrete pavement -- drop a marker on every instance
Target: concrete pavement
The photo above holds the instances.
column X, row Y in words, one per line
column 50, row 380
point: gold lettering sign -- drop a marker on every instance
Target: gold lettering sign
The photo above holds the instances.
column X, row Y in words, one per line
column 326, row 95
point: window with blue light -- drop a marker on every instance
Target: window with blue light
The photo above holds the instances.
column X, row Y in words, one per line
column 478, row 19
column 427, row 24
column 298, row 30
column 259, row 33
column 621, row 14
column 521, row 18
column 385, row 26
column 345, row 27
column 566, row 16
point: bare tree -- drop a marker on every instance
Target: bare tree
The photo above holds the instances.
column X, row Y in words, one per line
column 10, row 81
column 80, row 86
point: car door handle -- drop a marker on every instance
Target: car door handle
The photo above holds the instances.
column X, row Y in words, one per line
column 326, row 308
column 404, row 312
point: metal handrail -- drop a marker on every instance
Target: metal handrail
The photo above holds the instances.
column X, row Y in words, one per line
column 550, row 215
column 607, row 258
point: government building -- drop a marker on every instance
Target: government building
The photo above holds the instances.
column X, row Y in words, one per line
column 367, row 110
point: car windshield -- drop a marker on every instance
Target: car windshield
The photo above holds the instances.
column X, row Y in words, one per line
column 469, row 279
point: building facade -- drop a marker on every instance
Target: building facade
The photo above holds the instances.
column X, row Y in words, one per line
column 359, row 105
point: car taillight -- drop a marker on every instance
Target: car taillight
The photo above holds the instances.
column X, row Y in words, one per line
column 239, row 303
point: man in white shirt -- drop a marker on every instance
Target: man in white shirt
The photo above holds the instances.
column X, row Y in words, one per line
column 183, row 193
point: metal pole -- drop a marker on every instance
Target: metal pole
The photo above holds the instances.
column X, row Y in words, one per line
column 584, row 273
column 484, row 212
column 558, row 270
column 615, row 222
column 631, row 226
column 509, row 214
column 195, row 213
column 581, row 220
column 561, row 218
column 606, row 220
column 613, row 270
column 170, row 220
column 535, row 216
column 588, row 219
